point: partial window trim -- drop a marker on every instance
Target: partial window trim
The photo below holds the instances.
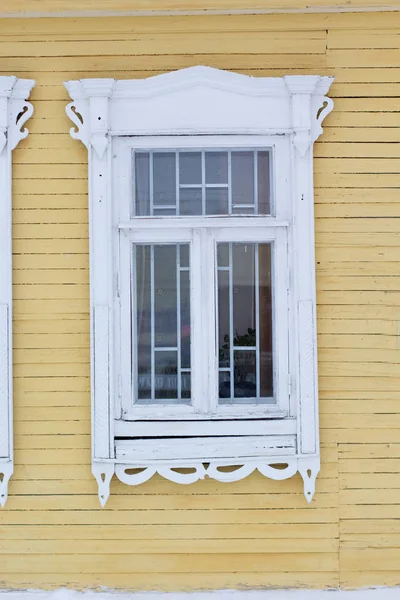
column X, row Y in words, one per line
column 200, row 101
column 14, row 112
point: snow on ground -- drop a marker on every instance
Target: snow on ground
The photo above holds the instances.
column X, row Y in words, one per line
column 64, row 594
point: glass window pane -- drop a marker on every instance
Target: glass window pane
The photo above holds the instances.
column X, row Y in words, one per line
column 184, row 255
column 244, row 374
column 166, row 380
column 164, row 177
column 264, row 184
column 243, row 297
column 142, row 184
column 216, row 201
column 216, row 167
column 162, row 325
column 223, row 318
column 223, row 255
column 242, row 178
column 224, row 385
column 165, row 295
column 143, row 321
column 265, row 299
column 164, row 212
column 243, row 210
column 185, row 319
column 190, row 168
column 190, row 201
column 245, row 323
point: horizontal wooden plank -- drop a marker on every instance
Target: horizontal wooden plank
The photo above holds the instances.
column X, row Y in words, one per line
column 159, row 563
column 97, row 548
column 220, row 42
column 251, row 503
column 296, row 531
column 156, row 517
column 169, row 581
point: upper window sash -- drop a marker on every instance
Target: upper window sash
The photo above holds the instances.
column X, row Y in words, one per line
column 279, row 147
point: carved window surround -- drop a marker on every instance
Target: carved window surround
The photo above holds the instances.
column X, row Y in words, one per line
column 201, row 101
column 14, row 112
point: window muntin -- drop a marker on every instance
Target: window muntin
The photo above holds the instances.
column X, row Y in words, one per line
column 191, row 182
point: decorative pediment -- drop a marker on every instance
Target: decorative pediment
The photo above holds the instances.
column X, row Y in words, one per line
column 173, row 104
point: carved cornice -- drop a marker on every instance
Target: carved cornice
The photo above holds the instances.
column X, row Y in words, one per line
column 266, row 105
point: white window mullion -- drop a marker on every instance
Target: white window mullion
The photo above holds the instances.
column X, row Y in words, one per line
column 281, row 319
column 208, row 308
column 197, row 352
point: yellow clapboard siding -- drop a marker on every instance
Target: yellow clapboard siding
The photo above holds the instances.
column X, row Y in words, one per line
column 52, row 508
column 123, row 547
column 171, row 532
column 193, row 43
column 168, row 581
column 159, row 563
column 55, row 7
column 178, row 517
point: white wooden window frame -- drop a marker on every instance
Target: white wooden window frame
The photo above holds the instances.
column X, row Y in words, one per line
column 14, row 112
column 201, row 233
column 201, row 107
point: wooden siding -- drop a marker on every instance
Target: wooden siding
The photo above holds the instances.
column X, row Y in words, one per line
column 254, row 532
column 82, row 7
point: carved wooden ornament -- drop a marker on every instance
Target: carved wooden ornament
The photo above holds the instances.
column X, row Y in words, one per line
column 201, row 102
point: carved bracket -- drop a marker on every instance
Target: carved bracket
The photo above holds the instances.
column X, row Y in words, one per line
column 89, row 112
column 14, row 110
column 21, row 111
column 309, row 107
column 6, row 470
column 78, row 113
column 103, row 473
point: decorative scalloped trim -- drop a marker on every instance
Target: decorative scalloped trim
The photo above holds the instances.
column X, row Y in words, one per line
column 308, row 467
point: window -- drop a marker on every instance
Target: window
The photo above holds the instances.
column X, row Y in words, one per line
column 14, row 113
column 202, row 274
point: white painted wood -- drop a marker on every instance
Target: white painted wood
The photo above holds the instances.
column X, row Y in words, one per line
column 103, row 473
column 214, row 109
column 149, row 451
column 14, row 112
column 5, row 420
column 101, row 380
column 277, row 467
column 199, row 428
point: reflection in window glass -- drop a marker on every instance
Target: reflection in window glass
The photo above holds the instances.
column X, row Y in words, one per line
column 162, row 323
column 206, row 182
column 245, row 323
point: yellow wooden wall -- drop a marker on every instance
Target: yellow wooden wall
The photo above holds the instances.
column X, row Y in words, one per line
column 254, row 532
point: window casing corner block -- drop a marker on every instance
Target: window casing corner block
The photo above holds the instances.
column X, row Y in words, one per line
column 201, row 107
